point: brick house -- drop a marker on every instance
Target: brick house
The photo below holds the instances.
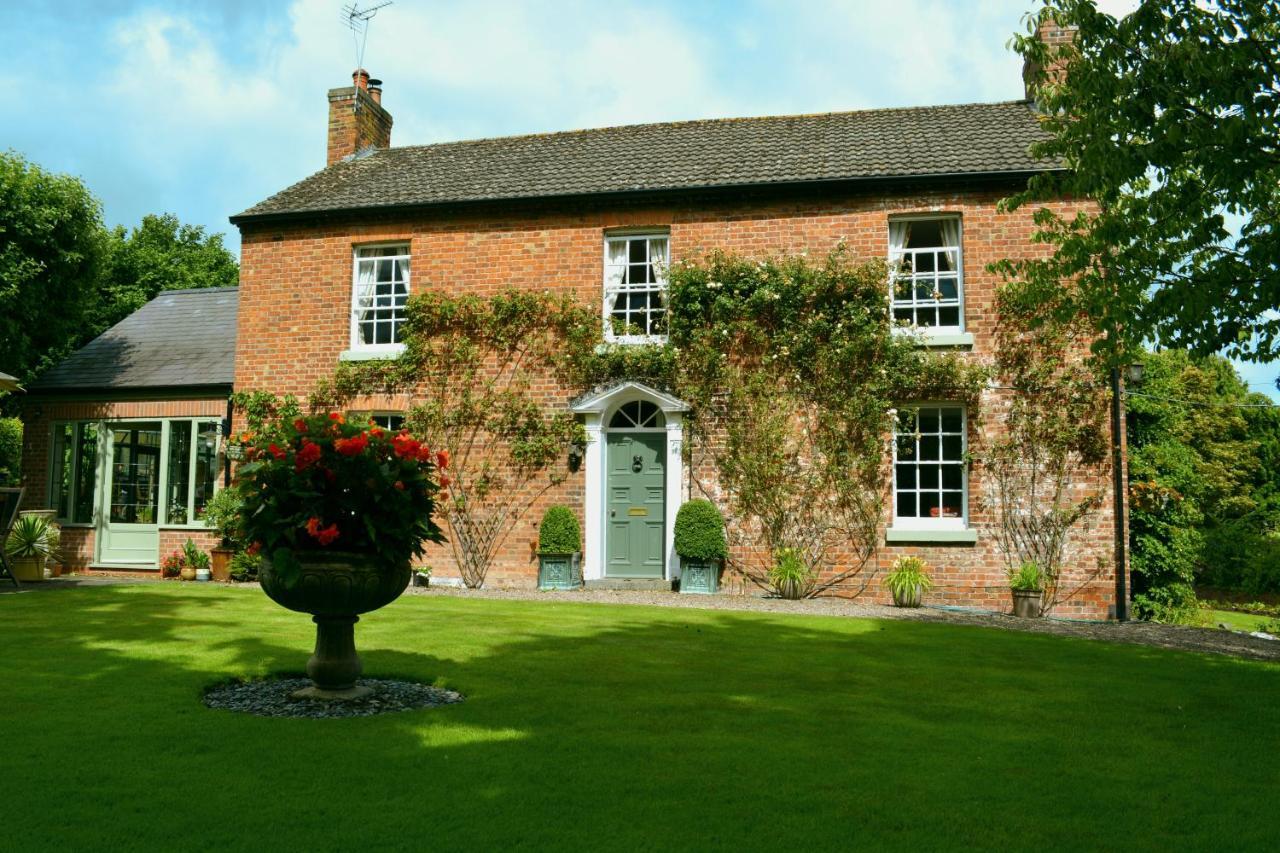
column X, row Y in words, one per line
column 328, row 263
column 122, row 438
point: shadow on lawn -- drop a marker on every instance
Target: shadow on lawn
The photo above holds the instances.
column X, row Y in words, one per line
column 655, row 728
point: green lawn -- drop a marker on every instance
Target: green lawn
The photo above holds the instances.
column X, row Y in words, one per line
column 595, row 727
column 1239, row 621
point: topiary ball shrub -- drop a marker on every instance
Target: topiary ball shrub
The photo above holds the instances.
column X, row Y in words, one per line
column 700, row 531
column 559, row 533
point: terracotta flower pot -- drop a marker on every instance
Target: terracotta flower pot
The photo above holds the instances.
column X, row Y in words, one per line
column 335, row 587
column 220, row 563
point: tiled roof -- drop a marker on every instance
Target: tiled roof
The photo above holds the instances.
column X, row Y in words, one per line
column 180, row 338
column 968, row 139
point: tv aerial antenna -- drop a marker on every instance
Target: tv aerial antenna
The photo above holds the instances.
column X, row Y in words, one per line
column 357, row 20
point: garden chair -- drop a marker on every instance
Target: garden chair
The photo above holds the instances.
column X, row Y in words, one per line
column 9, row 501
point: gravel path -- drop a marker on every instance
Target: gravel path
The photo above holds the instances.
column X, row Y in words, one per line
column 1213, row 641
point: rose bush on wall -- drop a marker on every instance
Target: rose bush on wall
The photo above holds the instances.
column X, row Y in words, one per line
column 318, row 482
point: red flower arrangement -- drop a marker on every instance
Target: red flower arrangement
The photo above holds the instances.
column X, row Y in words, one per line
column 319, row 482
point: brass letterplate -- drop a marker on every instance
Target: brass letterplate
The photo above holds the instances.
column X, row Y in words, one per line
column 638, row 510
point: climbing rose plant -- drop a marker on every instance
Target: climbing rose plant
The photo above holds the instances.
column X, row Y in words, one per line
column 320, row 483
column 793, row 369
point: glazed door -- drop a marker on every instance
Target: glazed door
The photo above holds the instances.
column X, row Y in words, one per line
column 129, row 533
column 636, row 502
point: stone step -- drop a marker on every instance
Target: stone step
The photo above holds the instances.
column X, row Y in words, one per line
column 634, row 584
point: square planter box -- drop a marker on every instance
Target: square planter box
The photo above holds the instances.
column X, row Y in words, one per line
column 699, row 577
column 559, row 571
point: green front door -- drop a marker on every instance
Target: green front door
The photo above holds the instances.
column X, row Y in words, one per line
column 129, row 533
column 636, row 503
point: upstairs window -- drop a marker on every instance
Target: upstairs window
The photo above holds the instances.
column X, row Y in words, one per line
column 635, row 288
column 379, row 294
column 928, row 289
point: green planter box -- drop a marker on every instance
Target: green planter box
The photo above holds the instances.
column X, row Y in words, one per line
column 700, row 577
column 559, row 571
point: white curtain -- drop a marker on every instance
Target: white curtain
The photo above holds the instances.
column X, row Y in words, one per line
column 899, row 231
column 366, row 276
column 617, row 266
column 951, row 237
column 658, row 258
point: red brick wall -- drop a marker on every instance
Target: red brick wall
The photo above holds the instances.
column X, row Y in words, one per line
column 38, row 417
column 295, row 297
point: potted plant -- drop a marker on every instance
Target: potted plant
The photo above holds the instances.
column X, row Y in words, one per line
column 195, row 561
column 908, row 580
column 338, row 511
column 221, row 514
column 244, row 567
column 1027, row 586
column 32, row 541
column 171, row 566
column 422, row 576
column 700, row 544
column 790, row 577
column 51, row 566
column 559, row 540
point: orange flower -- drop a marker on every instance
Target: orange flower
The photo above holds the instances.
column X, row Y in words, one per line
column 300, row 425
column 323, row 535
column 405, row 446
column 253, row 549
column 352, row 446
column 337, row 417
column 399, row 485
column 442, row 459
column 445, row 481
column 275, row 451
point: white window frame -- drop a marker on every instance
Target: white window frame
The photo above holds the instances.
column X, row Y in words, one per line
column 368, row 415
column 895, row 258
column 611, row 291
column 940, row 523
column 167, row 424
column 396, row 347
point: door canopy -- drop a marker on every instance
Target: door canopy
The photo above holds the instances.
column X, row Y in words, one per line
column 620, row 395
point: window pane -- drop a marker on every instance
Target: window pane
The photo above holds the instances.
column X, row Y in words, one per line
column 928, row 447
column 907, row 505
column 179, row 472
column 929, row 476
column 135, row 473
column 949, row 317
column 61, row 458
column 638, row 251
column 86, row 473
column 905, row 476
column 206, row 475
column 952, row 448
column 952, row 477
column 928, row 420
column 929, row 505
column 951, row 420
column 952, row 505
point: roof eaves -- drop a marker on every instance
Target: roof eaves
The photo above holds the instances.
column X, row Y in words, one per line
column 321, row 212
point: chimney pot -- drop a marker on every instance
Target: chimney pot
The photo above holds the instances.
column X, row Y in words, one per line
column 360, row 78
column 375, row 90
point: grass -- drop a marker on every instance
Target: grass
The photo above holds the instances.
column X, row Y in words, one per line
column 1239, row 621
column 601, row 727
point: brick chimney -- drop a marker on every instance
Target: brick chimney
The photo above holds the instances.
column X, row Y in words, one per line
column 356, row 118
column 1054, row 37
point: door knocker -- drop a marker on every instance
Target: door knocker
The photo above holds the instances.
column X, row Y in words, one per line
column 637, row 464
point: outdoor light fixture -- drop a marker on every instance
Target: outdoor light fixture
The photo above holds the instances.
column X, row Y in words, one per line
column 1133, row 373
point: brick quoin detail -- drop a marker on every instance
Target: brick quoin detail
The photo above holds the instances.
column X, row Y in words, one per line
column 295, row 302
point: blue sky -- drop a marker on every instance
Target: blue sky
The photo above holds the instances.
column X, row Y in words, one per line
column 203, row 108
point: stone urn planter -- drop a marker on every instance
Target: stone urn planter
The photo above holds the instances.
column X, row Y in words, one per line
column 912, row 596
column 1026, row 603
column 335, row 587
column 559, row 571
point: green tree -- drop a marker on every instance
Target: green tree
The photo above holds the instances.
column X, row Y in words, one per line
column 1200, row 506
column 159, row 254
column 1168, row 118
column 52, row 248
